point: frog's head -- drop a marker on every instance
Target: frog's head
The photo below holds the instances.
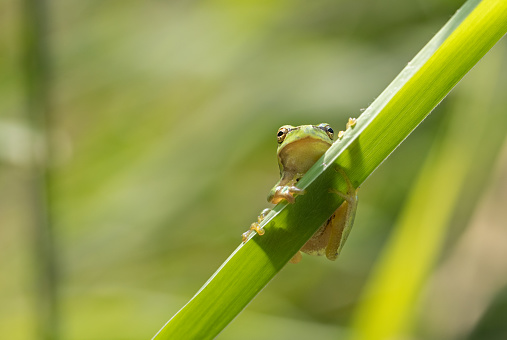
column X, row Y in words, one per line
column 299, row 147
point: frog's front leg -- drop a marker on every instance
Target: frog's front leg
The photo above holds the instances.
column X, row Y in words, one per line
column 284, row 192
column 343, row 218
column 255, row 227
column 278, row 193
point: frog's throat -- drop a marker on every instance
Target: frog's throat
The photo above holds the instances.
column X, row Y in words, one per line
column 299, row 156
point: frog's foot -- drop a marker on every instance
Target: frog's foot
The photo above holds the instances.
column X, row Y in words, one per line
column 350, row 124
column 351, row 195
column 287, row 193
column 245, row 236
column 255, row 227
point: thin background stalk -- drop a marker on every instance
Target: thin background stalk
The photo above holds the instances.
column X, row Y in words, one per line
column 36, row 67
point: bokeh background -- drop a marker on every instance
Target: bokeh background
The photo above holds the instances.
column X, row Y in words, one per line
column 160, row 118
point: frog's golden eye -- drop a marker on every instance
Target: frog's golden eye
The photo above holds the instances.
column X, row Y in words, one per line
column 327, row 129
column 282, row 132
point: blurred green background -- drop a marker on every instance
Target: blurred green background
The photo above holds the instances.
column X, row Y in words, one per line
column 163, row 117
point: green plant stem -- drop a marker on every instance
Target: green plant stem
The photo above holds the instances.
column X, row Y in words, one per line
column 38, row 84
column 427, row 79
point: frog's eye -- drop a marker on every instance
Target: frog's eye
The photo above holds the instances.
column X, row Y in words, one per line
column 282, row 132
column 328, row 130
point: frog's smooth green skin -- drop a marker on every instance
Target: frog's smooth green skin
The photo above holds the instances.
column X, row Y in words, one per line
column 299, row 147
column 331, row 236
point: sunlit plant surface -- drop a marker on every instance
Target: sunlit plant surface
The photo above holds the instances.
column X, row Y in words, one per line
column 427, row 79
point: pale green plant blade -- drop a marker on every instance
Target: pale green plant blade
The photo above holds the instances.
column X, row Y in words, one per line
column 390, row 299
column 460, row 44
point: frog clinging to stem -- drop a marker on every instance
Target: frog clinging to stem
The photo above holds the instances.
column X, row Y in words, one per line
column 299, row 147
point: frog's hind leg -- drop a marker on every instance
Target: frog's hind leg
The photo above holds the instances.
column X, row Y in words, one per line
column 343, row 218
column 296, row 258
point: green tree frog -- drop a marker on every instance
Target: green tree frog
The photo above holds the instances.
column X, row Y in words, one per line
column 299, row 147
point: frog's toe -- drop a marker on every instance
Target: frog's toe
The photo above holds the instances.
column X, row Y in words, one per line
column 263, row 214
column 287, row 193
column 288, row 196
column 351, row 123
column 350, row 197
column 351, row 194
column 256, row 227
column 245, row 236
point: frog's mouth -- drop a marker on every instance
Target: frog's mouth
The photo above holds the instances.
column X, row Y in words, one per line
column 300, row 155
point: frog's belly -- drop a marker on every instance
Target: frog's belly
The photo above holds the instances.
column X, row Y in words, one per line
column 317, row 244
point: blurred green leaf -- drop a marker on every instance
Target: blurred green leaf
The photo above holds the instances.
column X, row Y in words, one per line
column 459, row 45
